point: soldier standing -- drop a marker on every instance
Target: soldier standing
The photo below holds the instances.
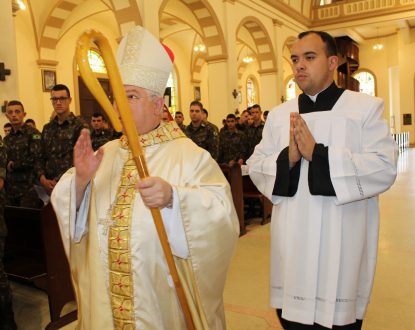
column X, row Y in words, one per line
column 179, row 118
column 99, row 134
column 254, row 131
column 200, row 133
column 205, row 115
column 242, row 124
column 6, row 310
column 58, row 139
column 232, row 143
column 7, row 129
column 23, row 149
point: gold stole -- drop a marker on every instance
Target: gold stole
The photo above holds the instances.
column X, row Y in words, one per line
column 119, row 249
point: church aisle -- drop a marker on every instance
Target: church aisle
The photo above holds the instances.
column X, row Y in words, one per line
column 393, row 299
column 246, row 292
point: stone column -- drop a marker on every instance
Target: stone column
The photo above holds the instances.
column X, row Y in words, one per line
column 278, row 53
column 230, row 37
column 269, row 89
column 150, row 12
column 219, row 94
column 9, row 88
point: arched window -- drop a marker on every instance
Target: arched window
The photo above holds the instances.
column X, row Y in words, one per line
column 366, row 82
column 172, row 90
column 290, row 89
column 251, row 93
column 96, row 62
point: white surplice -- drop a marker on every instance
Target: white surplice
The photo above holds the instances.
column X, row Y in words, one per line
column 210, row 225
column 323, row 249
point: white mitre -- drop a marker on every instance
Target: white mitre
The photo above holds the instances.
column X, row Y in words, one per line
column 143, row 61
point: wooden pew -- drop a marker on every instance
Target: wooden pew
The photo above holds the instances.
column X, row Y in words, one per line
column 234, row 176
column 34, row 254
column 250, row 191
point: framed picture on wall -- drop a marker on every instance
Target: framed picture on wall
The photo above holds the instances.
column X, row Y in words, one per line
column 48, row 80
column 197, row 93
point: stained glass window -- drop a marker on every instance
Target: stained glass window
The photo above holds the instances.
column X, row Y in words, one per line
column 366, row 82
column 172, row 83
column 250, row 92
column 290, row 89
column 96, row 62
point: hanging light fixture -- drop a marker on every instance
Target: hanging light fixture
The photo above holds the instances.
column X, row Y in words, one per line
column 17, row 5
column 248, row 59
column 198, row 45
column 21, row 4
column 201, row 48
column 378, row 45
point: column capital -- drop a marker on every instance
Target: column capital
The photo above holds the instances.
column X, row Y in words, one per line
column 216, row 59
column 46, row 63
column 277, row 23
column 267, row 72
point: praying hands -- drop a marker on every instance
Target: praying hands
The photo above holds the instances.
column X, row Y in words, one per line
column 301, row 140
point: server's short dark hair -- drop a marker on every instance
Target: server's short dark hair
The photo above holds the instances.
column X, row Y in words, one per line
column 328, row 40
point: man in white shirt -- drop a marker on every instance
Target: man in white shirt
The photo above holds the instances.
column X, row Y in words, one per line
column 323, row 160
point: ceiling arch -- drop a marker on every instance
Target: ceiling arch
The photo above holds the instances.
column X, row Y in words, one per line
column 263, row 47
column 126, row 14
column 197, row 23
column 207, row 26
column 244, row 50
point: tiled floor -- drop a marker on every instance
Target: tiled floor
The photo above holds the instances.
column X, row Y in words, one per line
column 392, row 304
column 246, row 292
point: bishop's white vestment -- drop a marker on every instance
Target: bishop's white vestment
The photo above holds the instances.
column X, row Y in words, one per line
column 323, row 248
column 120, row 275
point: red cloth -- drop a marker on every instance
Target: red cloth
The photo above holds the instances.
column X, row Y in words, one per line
column 169, row 52
column 165, row 109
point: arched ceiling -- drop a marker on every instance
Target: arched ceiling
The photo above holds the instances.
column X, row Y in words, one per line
column 52, row 19
column 191, row 23
column 252, row 33
column 361, row 20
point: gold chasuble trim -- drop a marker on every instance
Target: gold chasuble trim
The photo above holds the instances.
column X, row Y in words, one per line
column 119, row 250
column 119, row 247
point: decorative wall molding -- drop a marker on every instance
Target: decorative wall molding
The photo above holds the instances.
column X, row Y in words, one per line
column 360, row 9
column 46, row 63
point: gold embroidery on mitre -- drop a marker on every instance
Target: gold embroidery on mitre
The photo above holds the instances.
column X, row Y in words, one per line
column 119, row 250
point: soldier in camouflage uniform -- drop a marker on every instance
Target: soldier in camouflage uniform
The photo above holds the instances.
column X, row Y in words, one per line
column 6, row 310
column 254, row 132
column 23, row 149
column 242, row 124
column 200, row 133
column 179, row 118
column 232, row 143
column 205, row 115
column 58, row 139
column 99, row 134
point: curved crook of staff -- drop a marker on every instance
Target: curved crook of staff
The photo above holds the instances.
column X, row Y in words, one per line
column 130, row 130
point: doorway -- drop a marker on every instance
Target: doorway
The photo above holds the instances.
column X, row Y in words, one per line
column 88, row 104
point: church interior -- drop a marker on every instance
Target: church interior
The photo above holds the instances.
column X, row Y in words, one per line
column 231, row 54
